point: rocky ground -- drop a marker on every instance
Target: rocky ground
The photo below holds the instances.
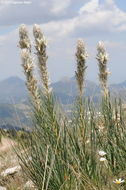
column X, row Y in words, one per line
column 11, row 176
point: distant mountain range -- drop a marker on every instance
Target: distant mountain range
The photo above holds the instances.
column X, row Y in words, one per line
column 66, row 90
column 13, row 90
column 14, row 109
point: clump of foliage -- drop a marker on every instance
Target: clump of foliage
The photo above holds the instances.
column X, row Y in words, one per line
column 84, row 152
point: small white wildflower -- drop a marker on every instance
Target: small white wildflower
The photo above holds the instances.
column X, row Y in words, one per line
column 102, row 159
column 101, row 153
column 70, row 121
column 87, row 141
column 119, row 181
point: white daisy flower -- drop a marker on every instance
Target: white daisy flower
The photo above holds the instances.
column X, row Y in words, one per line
column 119, row 181
column 101, row 153
column 102, row 159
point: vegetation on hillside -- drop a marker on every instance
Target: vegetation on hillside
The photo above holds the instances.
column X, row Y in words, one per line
column 15, row 116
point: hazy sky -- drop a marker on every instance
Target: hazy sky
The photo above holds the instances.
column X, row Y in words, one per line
column 63, row 22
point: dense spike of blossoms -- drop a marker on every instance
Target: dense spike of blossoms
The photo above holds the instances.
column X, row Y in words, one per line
column 24, row 38
column 31, row 82
column 27, row 64
column 81, row 56
column 102, row 58
column 40, row 46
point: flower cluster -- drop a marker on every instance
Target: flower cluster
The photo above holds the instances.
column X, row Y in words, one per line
column 40, row 45
column 24, row 42
column 101, row 153
column 102, row 58
column 81, row 56
column 27, row 64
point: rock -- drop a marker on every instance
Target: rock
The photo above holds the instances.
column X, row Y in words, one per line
column 29, row 184
column 10, row 171
column 2, row 188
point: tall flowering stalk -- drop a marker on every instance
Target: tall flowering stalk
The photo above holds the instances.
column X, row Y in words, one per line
column 27, row 63
column 102, row 58
column 41, row 46
column 81, row 56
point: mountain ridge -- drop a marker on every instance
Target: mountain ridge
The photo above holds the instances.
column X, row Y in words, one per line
column 14, row 108
column 13, row 90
